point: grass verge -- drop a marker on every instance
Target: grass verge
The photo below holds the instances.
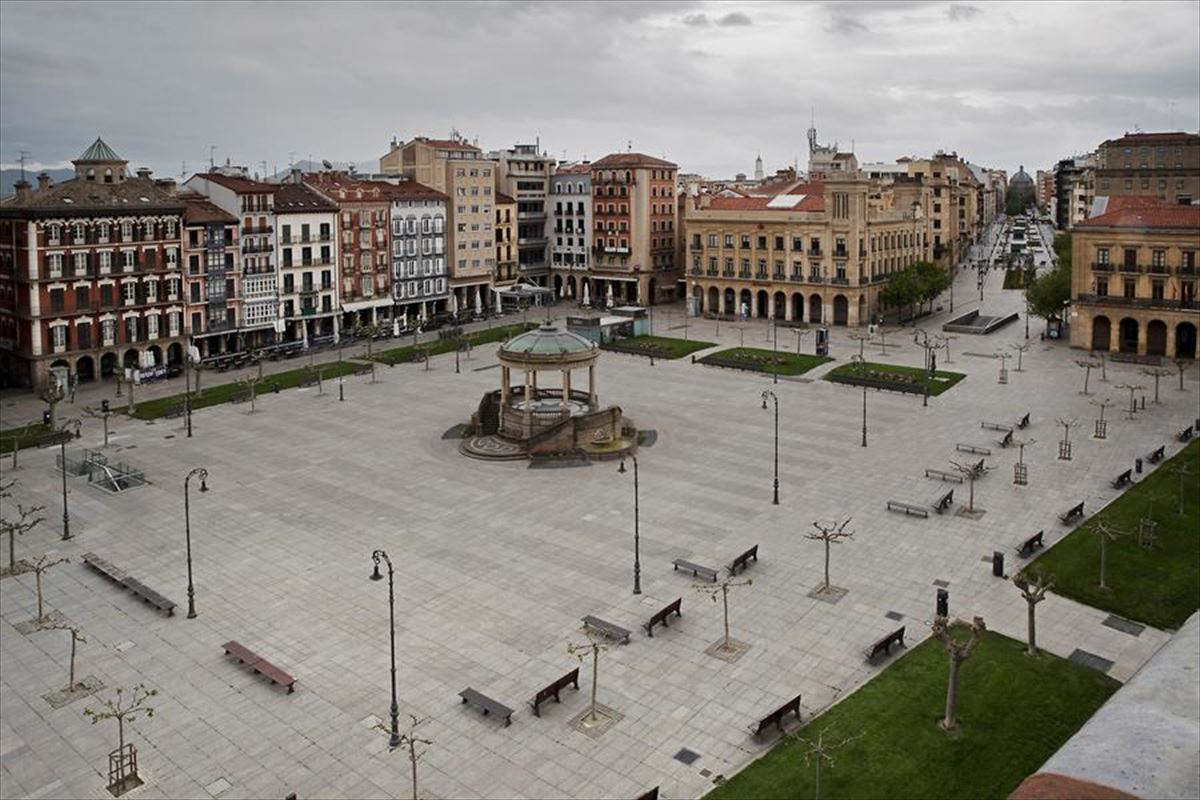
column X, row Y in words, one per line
column 1014, row 712
column 768, row 361
column 22, row 436
column 403, row 355
column 660, row 346
column 1159, row 586
column 905, row 378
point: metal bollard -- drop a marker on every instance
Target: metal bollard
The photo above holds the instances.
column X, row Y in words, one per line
column 1137, row 466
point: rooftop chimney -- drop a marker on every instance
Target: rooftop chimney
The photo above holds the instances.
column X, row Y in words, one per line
column 167, row 185
column 44, row 181
column 144, row 173
column 22, row 188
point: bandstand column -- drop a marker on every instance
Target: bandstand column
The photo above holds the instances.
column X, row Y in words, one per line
column 592, row 386
column 504, row 378
column 566, row 391
column 528, row 406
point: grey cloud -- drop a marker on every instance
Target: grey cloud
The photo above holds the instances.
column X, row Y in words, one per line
column 845, row 26
column 735, row 19
column 696, row 20
column 957, row 12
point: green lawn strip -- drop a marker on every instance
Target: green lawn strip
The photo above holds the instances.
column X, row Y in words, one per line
column 666, row 346
column 940, row 382
column 403, row 355
column 769, row 361
column 1014, row 279
column 215, row 395
column 21, row 437
column 1160, row 586
column 1013, row 712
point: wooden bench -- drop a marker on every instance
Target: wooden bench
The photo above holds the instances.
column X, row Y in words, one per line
column 775, row 718
column 907, row 508
column 173, row 412
column 239, row 397
column 307, row 381
column 1123, row 480
column 884, row 645
column 104, row 567
column 149, row 595
column 696, row 569
column 1007, row 440
column 970, row 448
column 1023, row 422
column 1186, row 434
column 663, row 616
column 553, row 689
column 996, row 426
column 246, row 656
column 942, row 502
column 486, row 704
column 1070, row 514
column 1031, row 545
column 363, row 370
column 743, row 560
column 609, row 629
column 1156, row 455
column 943, row 475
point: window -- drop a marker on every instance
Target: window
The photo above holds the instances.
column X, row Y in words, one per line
column 151, row 291
column 78, row 233
column 1102, row 255
column 54, row 235
column 152, row 326
column 103, row 232
column 1130, row 287
column 1156, row 289
column 1102, row 287
column 82, row 298
column 58, row 337
column 54, row 265
column 56, row 299
column 81, row 263
column 148, row 229
column 129, row 260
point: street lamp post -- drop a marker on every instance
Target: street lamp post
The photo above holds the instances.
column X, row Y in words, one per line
column 862, row 363
column 768, row 393
column 202, row 473
column 637, row 558
column 187, row 379
column 394, row 740
column 64, row 435
column 775, row 349
column 341, row 378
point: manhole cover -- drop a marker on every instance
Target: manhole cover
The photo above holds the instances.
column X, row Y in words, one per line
column 687, row 756
column 894, row 615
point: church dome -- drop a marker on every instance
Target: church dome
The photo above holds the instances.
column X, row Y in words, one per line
column 1021, row 178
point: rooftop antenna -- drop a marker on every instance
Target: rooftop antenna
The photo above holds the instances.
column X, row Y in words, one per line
column 21, row 158
column 264, row 166
column 212, row 149
column 629, row 145
column 183, row 170
column 291, row 158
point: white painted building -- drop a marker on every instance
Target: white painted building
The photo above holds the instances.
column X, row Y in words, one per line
column 420, row 279
column 568, row 227
column 308, row 257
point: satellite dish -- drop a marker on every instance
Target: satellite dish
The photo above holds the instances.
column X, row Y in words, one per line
column 327, row 164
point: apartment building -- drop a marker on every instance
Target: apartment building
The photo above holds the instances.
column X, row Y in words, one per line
column 1074, row 190
column 569, row 227
column 419, row 239
column 1133, row 278
column 524, row 174
column 307, row 252
column 1161, row 165
column 633, row 230
column 955, row 220
column 364, row 225
column 817, row 253
column 1044, row 185
column 507, row 272
column 459, row 170
column 90, row 273
column 211, row 276
column 253, row 203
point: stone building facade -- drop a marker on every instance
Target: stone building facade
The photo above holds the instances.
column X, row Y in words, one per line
column 419, row 251
column 569, row 227
column 307, row 252
column 1160, row 165
column 211, row 276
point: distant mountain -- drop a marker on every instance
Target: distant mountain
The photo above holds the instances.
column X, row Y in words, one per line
column 9, row 178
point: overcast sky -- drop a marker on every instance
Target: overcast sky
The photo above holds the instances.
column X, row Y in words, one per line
column 708, row 85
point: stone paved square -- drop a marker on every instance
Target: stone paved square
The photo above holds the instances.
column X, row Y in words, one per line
column 496, row 564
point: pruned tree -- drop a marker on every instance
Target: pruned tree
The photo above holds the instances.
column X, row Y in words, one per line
column 410, row 740
column 1021, row 350
column 103, row 413
column 124, row 709
column 1181, row 472
column 1101, row 431
column 1087, row 367
column 818, row 752
column 121, row 380
column 52, row 393
column 1133, row 390
column 1033, row 593
column 26, row 520
column 19, row 436
column 958, row 651
column 76, row 638
column 249, row 385
column 257, row 358
column 1182, row 364
column 972, row 473
column 830, row 534
column 723, row 591
column 1105, row 533
column 946, row 338
column 1064, row 447
column 43, row 564
column 594, row 649
column 1156, row 373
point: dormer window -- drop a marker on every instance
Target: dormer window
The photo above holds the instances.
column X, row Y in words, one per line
column 91, row 174
column 108, row 175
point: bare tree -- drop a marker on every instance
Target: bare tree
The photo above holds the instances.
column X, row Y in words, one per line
column 410, row 740
column 124, row 709
column 102, row 413
column 1181, row 471
column 52, row 394
column 723, row 590
column 1064, row 447
column 594, row 649
column 1021, row 350
column 17, row 437
column 1101, row 426
column 830, row 534
column 1087, row 367
column 249, row 385
column 946, row 339
column 43, row 564
column 1105, row 533
column 818, row 751
column 257, row 358
column 76, row 638
column 1182, row 364
column 972, row 472
column 1133, row 389
column 1156, row 373
column 959, row 651
column 1033, row 593
column 1004, row 357
column 25, row 521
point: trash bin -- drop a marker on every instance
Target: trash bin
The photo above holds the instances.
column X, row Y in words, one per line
column 943, row 603
column 1137, row 466
column 997, row 564
column 45, row 417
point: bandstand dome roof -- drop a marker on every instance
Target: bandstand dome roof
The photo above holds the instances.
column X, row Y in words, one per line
column 547, row 340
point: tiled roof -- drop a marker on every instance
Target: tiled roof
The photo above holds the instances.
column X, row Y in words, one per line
column 239, row 185
column 447, row 144
column 801, row 202
column 772, row 188
column 631, row 160
column 582, row 168
column 99, row 151
column 296, row 198
column 1144, row 212
column 200, row 210
column 131, row 196
column 501, row 197
column 343, row 188
column 411, row 190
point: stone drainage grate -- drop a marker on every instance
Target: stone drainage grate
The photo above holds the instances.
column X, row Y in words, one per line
column 894, row 615
column 1123, row 625
column 1098, row 663
column 941, row 583
column 688, row 757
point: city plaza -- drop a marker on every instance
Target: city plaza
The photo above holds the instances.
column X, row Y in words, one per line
column 496, row 563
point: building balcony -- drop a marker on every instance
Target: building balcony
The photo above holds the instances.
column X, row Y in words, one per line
column 816, row 279
column 257, row 230
column 1187, row 269
column 531, row 215
column 251, row 248
column 1102, row 266
column 1130, row 268
column 840, row 280
column 538, row 241
column 1158, row 269
column 1137, row 302
column 815, row 253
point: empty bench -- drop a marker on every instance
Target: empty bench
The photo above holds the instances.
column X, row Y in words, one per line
column 663, row 616
column 996, row 426
column 743, row 560
column 942, row 502
column 1070, row 514
column 147, row 594
column 775, row 718
column 486, row 704
column 260, row 665
column 1123, row 480
column 907, row 508
column 553, row 689
column 971, row 448
column 1007, row 440
column 1031, row 545
column 696, row 569
column 1023, row 422
column 884, row 645
column 1185, row 435
column 944, row 475
column 105, row 568
column 174, row 412
column 1156, row 455
column 609, row 629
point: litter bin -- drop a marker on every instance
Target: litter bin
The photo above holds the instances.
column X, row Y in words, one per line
column 1137, row 466
column 46, row 418
column 997, row 564
column 943, row 603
